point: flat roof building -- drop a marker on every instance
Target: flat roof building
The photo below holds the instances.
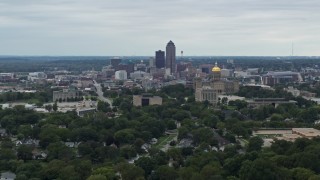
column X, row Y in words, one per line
column 306, row 132
column 146, row 100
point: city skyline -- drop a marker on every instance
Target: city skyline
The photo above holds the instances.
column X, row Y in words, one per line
column 209, row 28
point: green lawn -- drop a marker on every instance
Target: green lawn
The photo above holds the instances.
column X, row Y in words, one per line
column 162, row 141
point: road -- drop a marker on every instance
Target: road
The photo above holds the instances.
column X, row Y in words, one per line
column 100, row 94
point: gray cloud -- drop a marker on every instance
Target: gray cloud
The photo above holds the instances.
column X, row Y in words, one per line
column 126, row 27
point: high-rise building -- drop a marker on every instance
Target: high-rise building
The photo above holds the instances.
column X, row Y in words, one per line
column 114, row 62
column 171, row 57
column 152, row 62
column 160, row 59
column 121, row 75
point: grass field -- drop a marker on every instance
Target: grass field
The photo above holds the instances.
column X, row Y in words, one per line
column 162, row 141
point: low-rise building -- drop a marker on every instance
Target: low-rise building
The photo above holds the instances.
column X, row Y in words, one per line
column 65, row 95
column 146, row 100
column 306, row 132
column 36, row 76
column 82, row 112
column 257, row 102
column 7, row 176
column 270, row 135
column 273, row 78
column 206, row 93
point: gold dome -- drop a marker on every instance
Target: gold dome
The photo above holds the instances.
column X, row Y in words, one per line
column 216, row 68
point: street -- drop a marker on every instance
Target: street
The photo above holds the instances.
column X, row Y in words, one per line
column 100, row 94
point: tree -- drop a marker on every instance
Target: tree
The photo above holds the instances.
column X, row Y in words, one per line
column 276, row 117
column 125, row 136
column 171, row 125
column 24, row 152
column 166, row 173
column 68, row 172
column 7, row 154
column 48, row 107
column 128, row 152
column 129, row 171
column 240, row 104
column 97, row 177
column 52, row 169
column 55, row 106
column 147, row 164
column 280, row 146
column 211, row 121
column 203, row 135
column 107, row 172
column 186, row 173
column 262, row 168
column 301, row 173
column 224, row 100
column 211, row 172
column 255, row 144
column 103, row 106
column 116, row 101
column 58, row 150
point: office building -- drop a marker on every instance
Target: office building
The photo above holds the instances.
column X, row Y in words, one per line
column 171, row 57
column 126, row 67
column 273, row 78
column 114, row 62
column 160, row 59
column 66, row 95
column 146, row 100
column 152, row 62
column 121, row 75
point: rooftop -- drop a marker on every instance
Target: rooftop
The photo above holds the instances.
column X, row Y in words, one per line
column 306, row 132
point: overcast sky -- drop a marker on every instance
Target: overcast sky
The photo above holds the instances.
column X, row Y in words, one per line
column 140, row 27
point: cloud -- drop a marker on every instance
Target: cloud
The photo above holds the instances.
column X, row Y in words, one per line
column 126, row 27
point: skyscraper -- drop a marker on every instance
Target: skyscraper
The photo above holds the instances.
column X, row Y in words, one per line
column 114, row 62
column 171, row 57
column 160, row 59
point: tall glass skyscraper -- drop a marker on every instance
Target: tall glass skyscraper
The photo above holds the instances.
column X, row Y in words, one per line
column 171, row 57
column 160, row 59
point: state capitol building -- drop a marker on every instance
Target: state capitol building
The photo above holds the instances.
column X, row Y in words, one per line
column 210, row 88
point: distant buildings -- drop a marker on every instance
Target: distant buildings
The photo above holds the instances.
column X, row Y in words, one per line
column 152, row 62
column 65, row 95
column 295, row 92
column 5, row 77
column 139, row 75
column 171, row 57
column 258, row 102
column 126, row 67
column 121, row 75
column 287, row 135
column 37, row 76
column 160, row 59
column 114, row 62
column 273, row 78
column 82, row 112
column 206, row 68
column 210, row 89
column 146, row 100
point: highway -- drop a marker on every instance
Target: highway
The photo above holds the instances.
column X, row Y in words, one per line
column 100, row 94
